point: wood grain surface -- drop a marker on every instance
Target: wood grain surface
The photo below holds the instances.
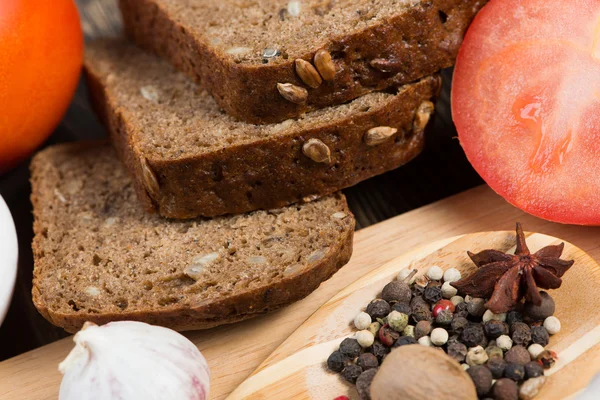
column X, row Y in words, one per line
column 440, row 171
column 297, row 369
column 235, row 351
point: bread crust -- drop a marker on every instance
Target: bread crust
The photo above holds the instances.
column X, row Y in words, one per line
column 268, row 173
column 418, row 42
column 232, row 308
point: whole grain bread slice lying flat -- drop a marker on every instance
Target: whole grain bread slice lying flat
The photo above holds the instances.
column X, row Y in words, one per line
column 99, row 257
column 190, row 159
column 241, row 50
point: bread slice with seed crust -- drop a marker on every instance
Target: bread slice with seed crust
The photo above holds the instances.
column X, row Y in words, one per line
column 240, row 49
column 190, row 159
column 99, row 257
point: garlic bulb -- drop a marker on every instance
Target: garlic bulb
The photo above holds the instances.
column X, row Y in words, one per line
column 133, row 360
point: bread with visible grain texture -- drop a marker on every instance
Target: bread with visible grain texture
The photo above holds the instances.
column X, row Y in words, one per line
column 99, row 257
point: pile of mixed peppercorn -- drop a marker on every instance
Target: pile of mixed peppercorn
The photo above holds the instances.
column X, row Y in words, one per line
column 503, row 353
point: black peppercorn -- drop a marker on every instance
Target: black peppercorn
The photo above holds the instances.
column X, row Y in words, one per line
column 432, row 293
column 378, row 350
column 458, row 324
column 513, row 316
column 378, row 308
column 539, row 335
column 420, row 310
column 337, row 361
column 495, row 328
column 352, row 372
column 403, row 308
column 505, row 389
column 444, row 317
column 533, row 369
column 363, row 384
column 541, row 312
column 520, row 333
column 367, row 361
column 514, row 371
column 472, row 335
column 457, row 351
column 404, row 340
column 396, row 291
column 461, row 310
column 482, row 378
column 496, row 366
column 350, row 347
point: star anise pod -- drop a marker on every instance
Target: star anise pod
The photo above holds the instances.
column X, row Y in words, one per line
column 506, row 279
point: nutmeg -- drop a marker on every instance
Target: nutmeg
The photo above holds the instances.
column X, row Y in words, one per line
column 417, row 372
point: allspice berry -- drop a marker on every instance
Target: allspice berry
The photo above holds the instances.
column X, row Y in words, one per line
column 422, row 328
column 419, row 372
column 541, row 312
column 517, row 355
column 482, row 378
column 396, row 291
column 505, row 389
column 496, row 366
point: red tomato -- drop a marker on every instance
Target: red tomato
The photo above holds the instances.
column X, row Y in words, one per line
column 526, row 103
column 41, row 50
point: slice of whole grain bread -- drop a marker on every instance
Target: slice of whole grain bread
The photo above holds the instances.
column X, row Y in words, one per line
column 241, row 49
column 190, row 159
column 99, row 257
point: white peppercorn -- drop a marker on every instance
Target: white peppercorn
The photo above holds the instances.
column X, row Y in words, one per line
column 435, row 273
column 451, row 275
column 465, row 366
column 504, row 342
column 476, row 356
column 535, row 350
column 362, row 321
column 448, row 291
column 457, row 300
column 552, row 325
column 439, row 336
column 468, row 298
column 489, row 315
column 365, row 338
column 425, row 341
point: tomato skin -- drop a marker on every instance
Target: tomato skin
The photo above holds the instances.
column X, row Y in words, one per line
column 526, row 105
column 41, row 52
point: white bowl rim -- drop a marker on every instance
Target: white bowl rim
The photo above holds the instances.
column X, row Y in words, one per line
column 9, row 254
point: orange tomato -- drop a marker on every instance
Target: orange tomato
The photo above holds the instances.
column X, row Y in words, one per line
column 41, row 51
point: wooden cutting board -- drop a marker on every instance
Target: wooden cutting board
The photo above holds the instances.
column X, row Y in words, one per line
column 234, row 352
column 297, row 369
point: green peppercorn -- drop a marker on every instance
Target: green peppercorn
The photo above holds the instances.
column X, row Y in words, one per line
column 397, row 321
column 482, row 378
column 374, row 328
column 494, row 352
column 351, row 373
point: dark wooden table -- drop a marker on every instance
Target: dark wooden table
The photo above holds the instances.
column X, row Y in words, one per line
column 440, row 171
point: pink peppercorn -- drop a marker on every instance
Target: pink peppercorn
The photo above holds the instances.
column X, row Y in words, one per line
column 442, row 305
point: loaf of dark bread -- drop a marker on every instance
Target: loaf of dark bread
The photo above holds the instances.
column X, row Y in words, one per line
column 331, row 51
column 99, row 257
column 190, row 159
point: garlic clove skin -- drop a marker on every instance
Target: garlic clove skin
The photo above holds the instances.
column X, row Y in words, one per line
column 132, row 360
